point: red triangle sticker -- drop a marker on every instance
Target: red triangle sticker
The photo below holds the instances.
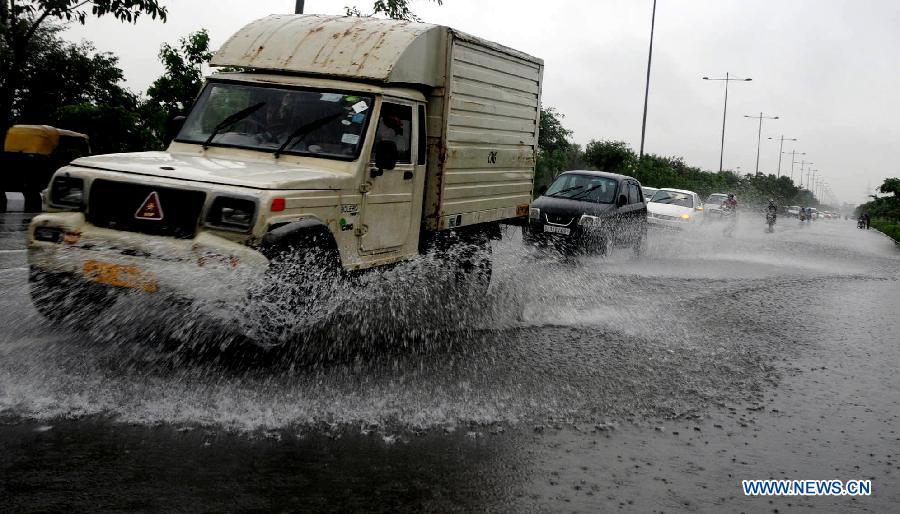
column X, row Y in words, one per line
column 150, row 209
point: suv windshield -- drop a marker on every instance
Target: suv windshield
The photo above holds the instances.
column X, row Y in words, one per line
column 583, row 187
column 673, row 198
column 333, row 123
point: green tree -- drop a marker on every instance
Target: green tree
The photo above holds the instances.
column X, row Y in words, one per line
column 21, row 21
column 180, row 84
column 891, row 185
column 610, row 156
column 394, row 9
column 554, row 148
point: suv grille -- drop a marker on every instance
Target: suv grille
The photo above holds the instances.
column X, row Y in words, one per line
column 114, row 205
column 559, row 220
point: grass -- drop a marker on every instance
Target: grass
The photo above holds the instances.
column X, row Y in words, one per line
column 888, row 228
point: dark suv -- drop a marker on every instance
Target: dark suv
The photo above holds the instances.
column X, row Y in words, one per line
column 589, row 211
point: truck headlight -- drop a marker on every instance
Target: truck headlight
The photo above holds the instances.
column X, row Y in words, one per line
column 534, row 214
column 231, row 214
column 589, row 221
column 67, row 191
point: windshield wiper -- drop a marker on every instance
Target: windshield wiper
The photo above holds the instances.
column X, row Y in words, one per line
column 556, row 194
column 231, row 120
column 305, row 129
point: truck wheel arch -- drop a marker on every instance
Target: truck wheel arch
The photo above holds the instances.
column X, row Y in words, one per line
column 309, row 232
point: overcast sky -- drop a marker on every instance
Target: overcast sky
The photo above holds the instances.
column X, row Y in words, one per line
column 828, row 68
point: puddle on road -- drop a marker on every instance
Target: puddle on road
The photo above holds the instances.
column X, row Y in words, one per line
column 690, row 326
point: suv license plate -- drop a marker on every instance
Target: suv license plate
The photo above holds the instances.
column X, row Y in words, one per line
column 557, row 230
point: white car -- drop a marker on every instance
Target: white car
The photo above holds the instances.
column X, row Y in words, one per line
column 649, row 192
column 674, row 208
column 794, row 210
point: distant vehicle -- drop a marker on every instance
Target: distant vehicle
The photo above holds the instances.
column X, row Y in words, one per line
column 589, row 211
column 713, row 205
column 649, row 192
column 674, row 208
column 31, row 153
column 794, row 210
column 814, row 213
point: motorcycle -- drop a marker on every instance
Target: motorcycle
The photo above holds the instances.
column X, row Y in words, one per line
column 860, row 223
column 770, row 221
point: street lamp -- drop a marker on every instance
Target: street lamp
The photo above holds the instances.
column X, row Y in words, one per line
column 647, row 85
column 759, row 135
column 728, row 78
column 781, row 151
column 803, row 163
column 794, row 154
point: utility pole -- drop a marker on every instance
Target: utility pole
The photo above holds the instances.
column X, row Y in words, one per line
column 759, row 135
column 647, row 85
column 298, row 8
column 728, row 78
column 781, row 151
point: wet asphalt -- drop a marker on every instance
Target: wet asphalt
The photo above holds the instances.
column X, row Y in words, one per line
column 593, row 384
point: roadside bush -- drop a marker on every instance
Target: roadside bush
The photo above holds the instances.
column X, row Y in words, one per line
column 887, row 228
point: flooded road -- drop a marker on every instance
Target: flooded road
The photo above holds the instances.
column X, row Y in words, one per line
column 649, row 385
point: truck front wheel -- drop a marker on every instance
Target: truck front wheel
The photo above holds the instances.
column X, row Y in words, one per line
column 63, row 298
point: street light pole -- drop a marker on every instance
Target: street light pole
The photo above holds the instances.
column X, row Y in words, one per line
column 794, row 154
column 298, row 8
column 759, row 135
column 781, row 151
column 728, row 78
column 802, row 164
column 647, row 85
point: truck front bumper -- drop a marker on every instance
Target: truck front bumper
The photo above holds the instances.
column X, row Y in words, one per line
column 206, row 268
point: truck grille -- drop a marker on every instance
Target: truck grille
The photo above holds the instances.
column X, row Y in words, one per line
column 115, row 205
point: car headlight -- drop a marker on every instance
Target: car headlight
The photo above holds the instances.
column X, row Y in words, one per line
column 685, row 216
column 67, row 191
column 231, row 213
column 589, row 221
column 534, row 214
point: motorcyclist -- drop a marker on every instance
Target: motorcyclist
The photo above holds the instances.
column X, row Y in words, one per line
column 730, row 204
column 729, row 209
column 772, row 208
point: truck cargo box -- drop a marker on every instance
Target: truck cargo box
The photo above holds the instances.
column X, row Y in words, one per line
column 484, row 99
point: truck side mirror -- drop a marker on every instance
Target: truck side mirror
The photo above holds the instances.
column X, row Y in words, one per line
column 542, row 190
column 386, row 155
column 173, row 127
column 621, row 201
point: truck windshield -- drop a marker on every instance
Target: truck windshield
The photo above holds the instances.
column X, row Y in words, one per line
column 335, row 121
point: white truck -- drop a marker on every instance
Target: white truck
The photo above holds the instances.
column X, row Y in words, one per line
column 361, row 141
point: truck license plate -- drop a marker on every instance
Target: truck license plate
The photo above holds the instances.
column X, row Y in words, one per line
column 118, row 275
column 557, row 230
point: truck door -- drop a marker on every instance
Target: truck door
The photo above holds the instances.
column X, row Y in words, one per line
column 392, row 205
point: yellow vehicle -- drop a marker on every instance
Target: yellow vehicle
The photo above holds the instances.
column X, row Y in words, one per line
column 31, row 153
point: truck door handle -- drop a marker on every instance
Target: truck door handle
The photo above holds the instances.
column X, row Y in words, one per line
column 407, row 175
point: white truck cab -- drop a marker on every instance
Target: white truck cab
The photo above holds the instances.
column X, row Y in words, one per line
column 368, row 138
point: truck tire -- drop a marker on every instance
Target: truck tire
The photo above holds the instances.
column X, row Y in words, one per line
column 293, row 298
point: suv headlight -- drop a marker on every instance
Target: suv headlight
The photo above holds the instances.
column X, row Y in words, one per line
column 534, row 214
column 589, row 221
column 231, row 214
column 66, row 191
